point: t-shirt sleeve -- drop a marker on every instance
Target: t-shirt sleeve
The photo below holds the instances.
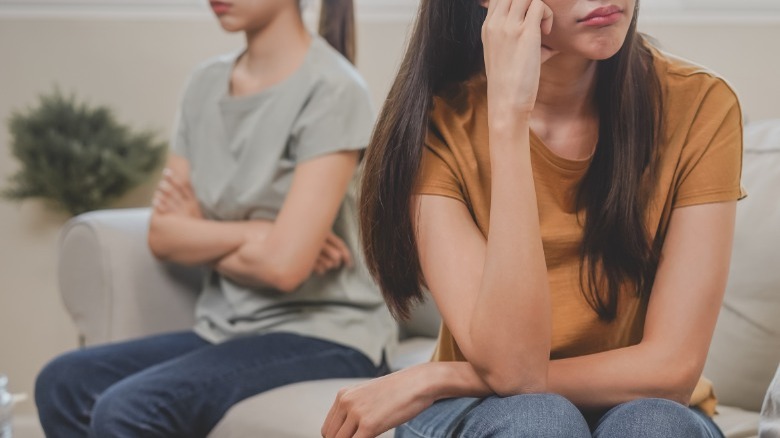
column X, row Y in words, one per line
column 336, row 117
column 438, row 173
column 179, row 137
column 711, row 162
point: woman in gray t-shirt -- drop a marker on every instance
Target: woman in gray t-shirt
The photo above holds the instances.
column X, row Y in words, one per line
column 259, row 189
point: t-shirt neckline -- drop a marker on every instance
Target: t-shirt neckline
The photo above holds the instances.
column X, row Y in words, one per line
column 240, row 101
column 557, row 160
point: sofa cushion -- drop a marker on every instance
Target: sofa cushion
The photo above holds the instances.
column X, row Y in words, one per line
column 292, row 411
column 412, row 351
column 424, row 320
column 745, row 349
column 298, row 410
column 736, row 422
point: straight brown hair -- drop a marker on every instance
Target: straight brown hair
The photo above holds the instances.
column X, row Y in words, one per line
column 337, row 26
column 445, row 49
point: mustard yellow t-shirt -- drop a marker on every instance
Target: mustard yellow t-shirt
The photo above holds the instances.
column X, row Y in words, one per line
column 700, row 161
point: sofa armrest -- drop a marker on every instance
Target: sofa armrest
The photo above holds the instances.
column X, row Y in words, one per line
column 111, row 284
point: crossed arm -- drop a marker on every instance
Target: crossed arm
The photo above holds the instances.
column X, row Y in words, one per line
column 282, row 253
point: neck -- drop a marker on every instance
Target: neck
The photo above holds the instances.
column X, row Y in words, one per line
column 277, row 47
column 566, row 88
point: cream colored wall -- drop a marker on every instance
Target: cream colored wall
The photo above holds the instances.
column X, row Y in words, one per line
column 138, row 67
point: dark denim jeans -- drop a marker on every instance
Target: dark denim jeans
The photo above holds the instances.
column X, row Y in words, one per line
column 552, row 416
column 178, row 385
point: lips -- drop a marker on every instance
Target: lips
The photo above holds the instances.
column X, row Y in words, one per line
column 220, row 8
column 602, row 16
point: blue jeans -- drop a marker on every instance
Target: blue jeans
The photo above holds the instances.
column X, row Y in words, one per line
column 552, row 416
column 178, row 385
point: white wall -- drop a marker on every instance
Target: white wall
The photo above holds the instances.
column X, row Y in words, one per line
column 137, row 65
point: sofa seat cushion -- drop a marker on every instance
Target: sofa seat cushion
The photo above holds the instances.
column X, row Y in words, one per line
column 412, row 351
column 736, row 422
column 292, row 411
column 298, row 410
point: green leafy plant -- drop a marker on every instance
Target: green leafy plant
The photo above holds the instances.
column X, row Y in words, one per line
column 77, row 156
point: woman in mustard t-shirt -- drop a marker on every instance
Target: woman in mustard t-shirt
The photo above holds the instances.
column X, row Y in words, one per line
column 607, row 173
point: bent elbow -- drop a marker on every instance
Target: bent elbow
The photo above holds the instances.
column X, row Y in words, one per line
column 155, row 243
column 522, row 369
column 675, row 380
column 680, row 388
column 287, row 281
column 271, row 272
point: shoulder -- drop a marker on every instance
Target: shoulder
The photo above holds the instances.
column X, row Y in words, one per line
column 459, row 114
column 702, row 122
column 690, row 88
column 460, row 100
column 330, row 73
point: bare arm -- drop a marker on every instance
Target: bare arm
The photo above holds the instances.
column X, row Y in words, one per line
column 287, row 254
column 681, row 317
column 480, row 285
column 190, row 241
column 509, row 286
column 179, row 233
column 682, row 312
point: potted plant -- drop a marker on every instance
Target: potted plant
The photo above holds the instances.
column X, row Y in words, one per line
column 76, row 156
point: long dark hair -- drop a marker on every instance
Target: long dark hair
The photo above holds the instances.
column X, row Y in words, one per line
column 446, row 48
column 337, row 26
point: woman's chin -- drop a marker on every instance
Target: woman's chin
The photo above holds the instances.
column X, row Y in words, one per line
column 229, row 24
column 600, row 51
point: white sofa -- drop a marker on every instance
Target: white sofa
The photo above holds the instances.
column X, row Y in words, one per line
column 114, row 289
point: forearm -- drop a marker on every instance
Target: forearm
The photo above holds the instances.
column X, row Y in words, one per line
column 514, row 293
column 248, row 266
column 606, row 379
column 190, row 241
column 592, row 382
column 263, row 261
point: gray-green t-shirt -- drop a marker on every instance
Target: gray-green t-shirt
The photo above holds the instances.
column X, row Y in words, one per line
column 243, row 152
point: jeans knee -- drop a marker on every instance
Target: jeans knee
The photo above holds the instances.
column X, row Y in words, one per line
column 529, row 415
column 59, row 384
column 115, row 413
column 651, row 418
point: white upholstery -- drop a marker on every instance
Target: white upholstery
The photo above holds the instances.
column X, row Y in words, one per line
column 114, row 289
column 746, row 347
column 311, row 403
column 736, row 422
column 111, row 284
